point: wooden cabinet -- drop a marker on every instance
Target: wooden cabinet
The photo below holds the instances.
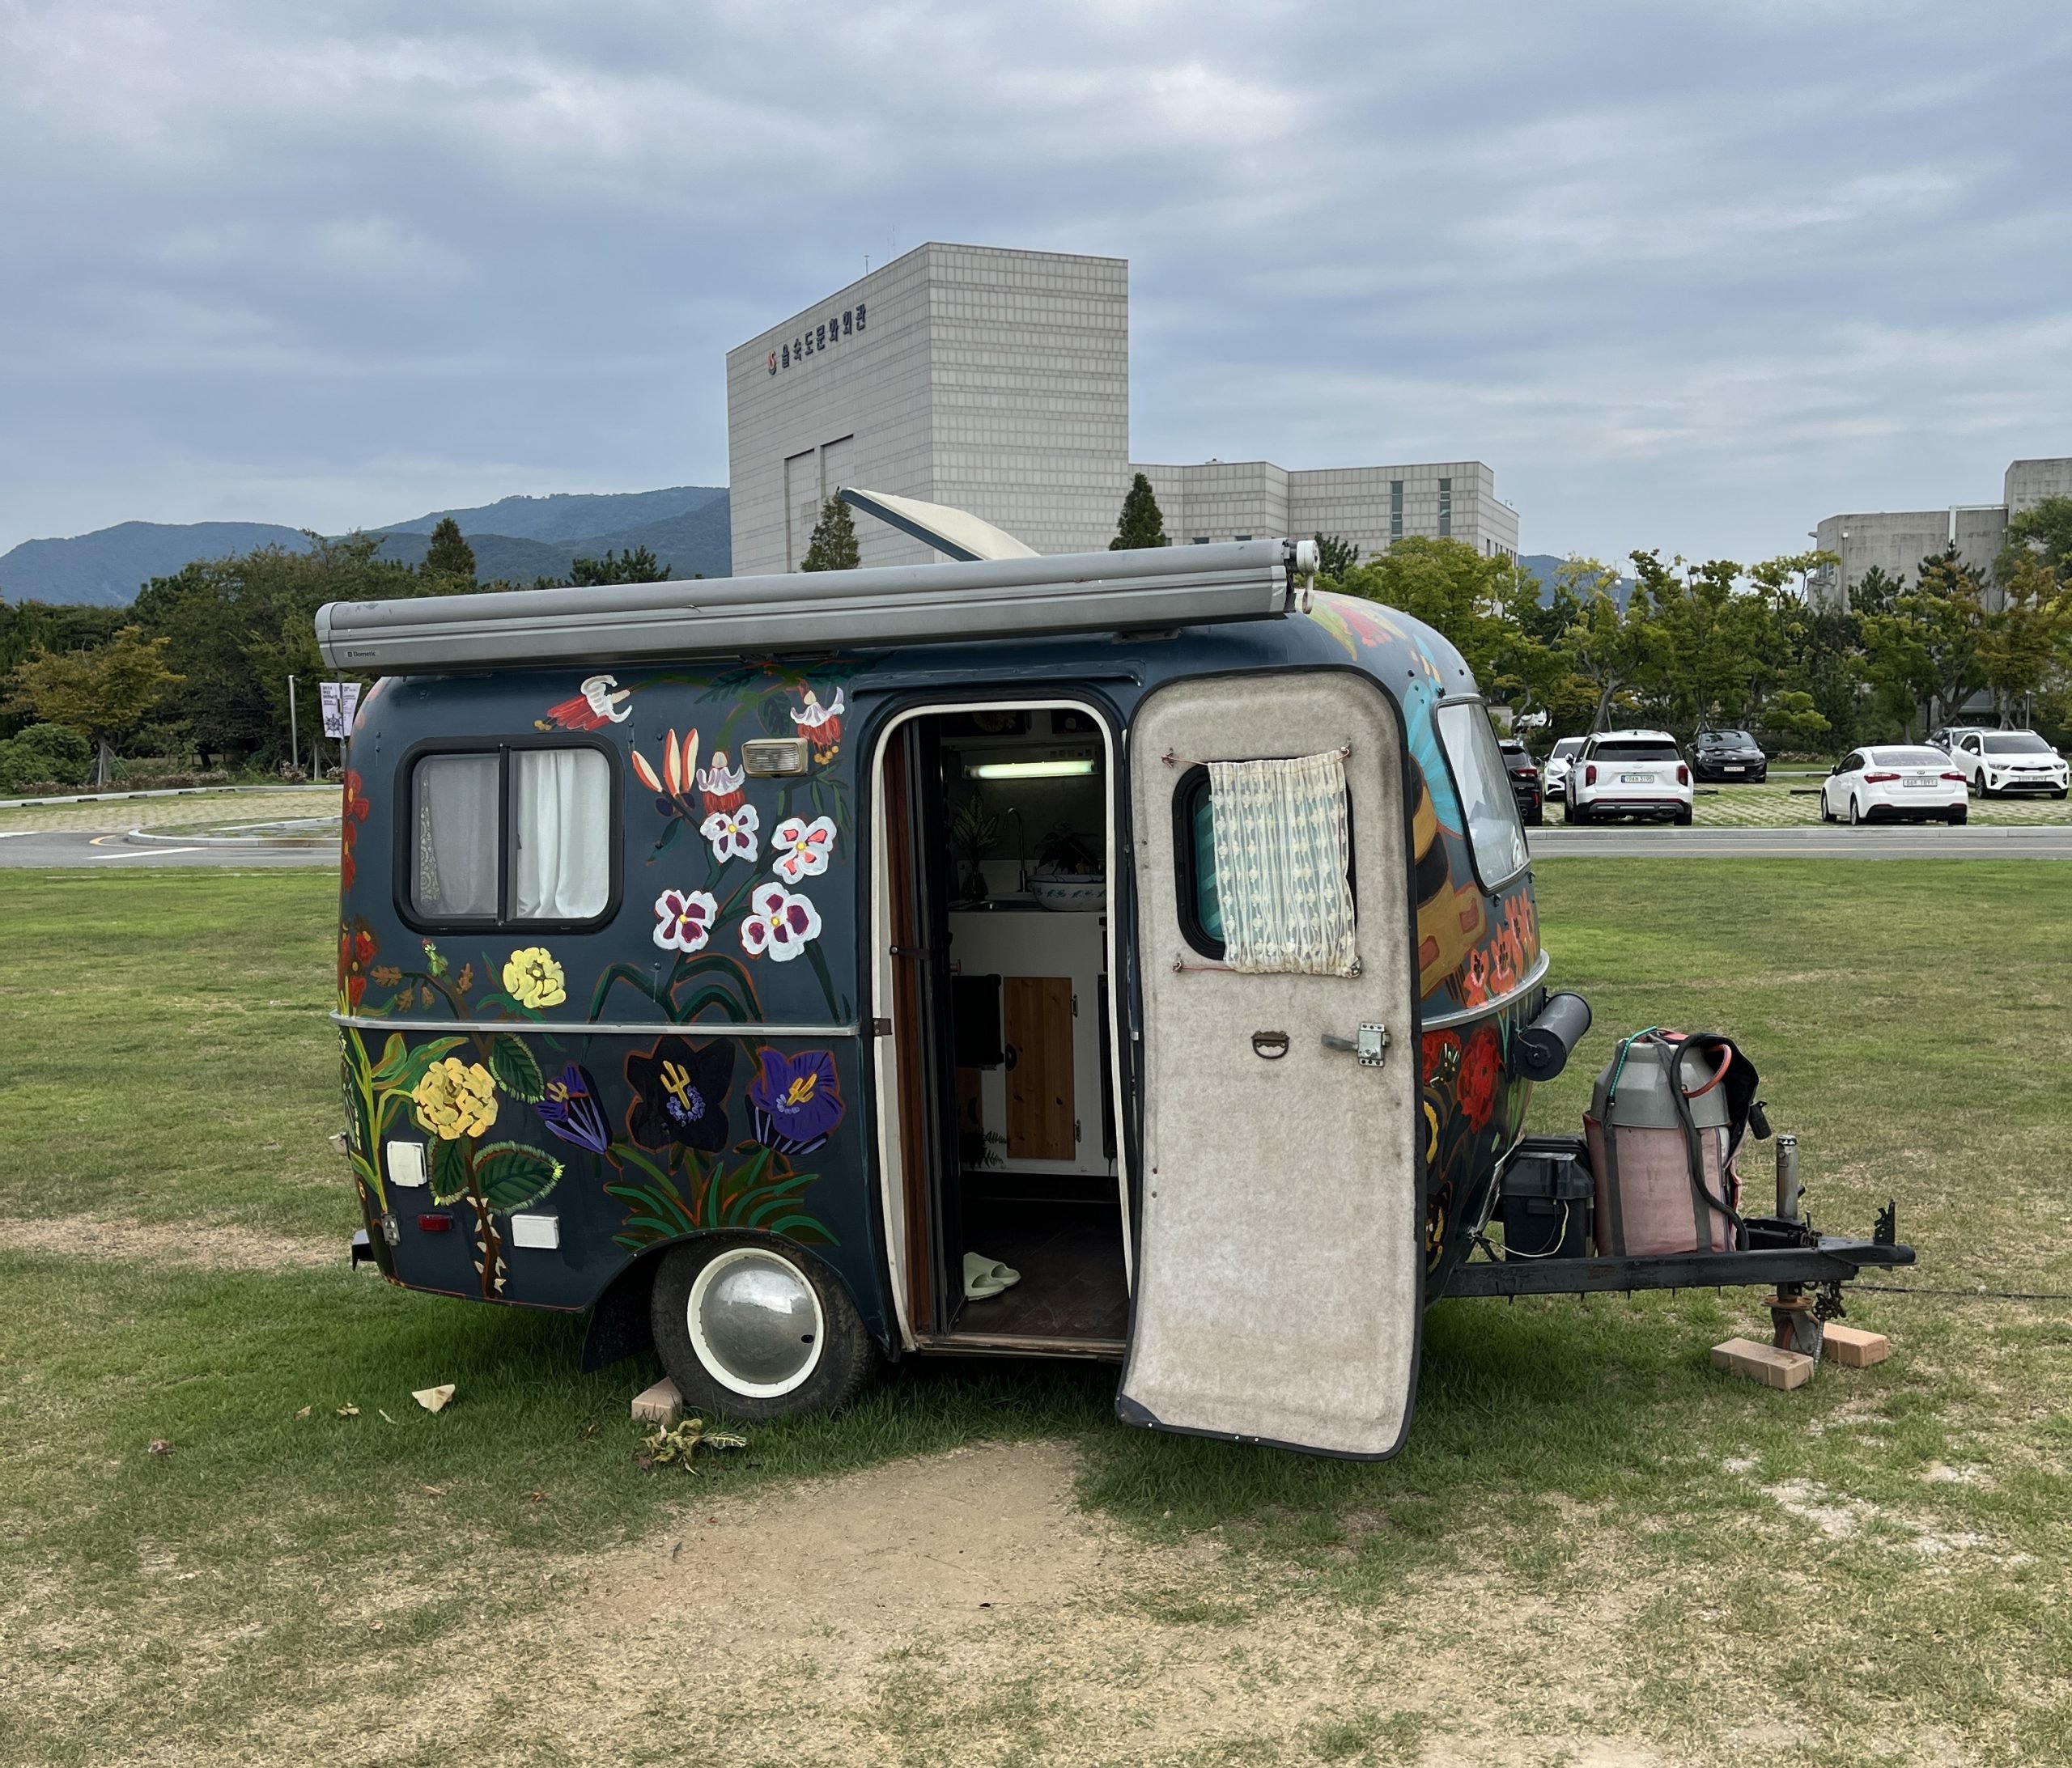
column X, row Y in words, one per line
column 1039, row 1014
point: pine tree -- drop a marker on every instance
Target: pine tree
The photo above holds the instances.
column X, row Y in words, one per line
column 1141, row 524
column 449, row 555
column 833, row 547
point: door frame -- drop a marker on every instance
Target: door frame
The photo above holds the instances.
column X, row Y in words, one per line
column 884, row 990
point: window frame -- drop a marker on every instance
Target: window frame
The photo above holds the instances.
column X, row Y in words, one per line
column 1192, row 786
column 1490, row 886
column 404, row 796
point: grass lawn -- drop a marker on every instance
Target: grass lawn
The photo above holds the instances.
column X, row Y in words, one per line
column 1870, row 1570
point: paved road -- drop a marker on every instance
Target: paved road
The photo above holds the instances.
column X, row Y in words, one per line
column 73, row 847
column 1926, row 841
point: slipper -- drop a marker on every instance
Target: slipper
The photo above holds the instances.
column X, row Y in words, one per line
column 984, row 1278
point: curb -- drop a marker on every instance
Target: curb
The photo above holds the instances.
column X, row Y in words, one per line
column 157, row 792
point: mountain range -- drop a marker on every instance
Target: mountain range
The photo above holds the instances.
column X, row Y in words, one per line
column 518, row 539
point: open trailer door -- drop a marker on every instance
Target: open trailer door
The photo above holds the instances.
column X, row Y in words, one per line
column 1279, row 1275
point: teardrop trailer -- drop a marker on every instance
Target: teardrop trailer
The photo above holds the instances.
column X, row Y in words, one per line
column 1128, row 955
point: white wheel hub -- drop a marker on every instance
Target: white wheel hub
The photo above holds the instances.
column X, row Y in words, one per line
column 756, row 1322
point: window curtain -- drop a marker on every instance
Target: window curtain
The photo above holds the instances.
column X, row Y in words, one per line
column 456, row 817
column 561, row 834
column 1283, row 852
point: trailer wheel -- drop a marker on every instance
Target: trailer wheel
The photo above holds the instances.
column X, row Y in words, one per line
column 753, row 1326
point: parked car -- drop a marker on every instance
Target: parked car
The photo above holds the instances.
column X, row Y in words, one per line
column 1525, row 779
column 1554, row 777
column 1992, row 762
column 1629, row 774
column 1944, row 737
column 1728, row 755
column 1894, row 783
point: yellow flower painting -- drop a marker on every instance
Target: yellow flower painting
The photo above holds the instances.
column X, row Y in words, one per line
column 533, row 979
column 455, row 1099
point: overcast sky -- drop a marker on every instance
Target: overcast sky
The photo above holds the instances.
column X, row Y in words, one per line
column 1686, row 274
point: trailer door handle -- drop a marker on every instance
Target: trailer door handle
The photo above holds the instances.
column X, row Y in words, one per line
column 1371, row 1046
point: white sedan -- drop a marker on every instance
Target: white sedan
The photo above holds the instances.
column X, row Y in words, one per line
column 1894, row 784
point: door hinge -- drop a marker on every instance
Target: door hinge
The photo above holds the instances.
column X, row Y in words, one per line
column 1075, row 1006
column 880, row 1028
column 1075, row 1135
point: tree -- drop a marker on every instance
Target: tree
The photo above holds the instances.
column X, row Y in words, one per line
column 1336, row 556
column 635, row 565
column 1875, row 591
column 1606, row 648
column 2022, row 641
column 449, row 555
column 99, row 695
column 833, row 547
column 2046, row 532
column 1140, row 523
column 238, row 627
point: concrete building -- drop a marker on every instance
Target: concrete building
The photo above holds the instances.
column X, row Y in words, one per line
column 998, row 381
column 1895, row 541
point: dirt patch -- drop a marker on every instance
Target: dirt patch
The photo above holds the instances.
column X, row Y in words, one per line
column 959, row 1609
column 193, row 1245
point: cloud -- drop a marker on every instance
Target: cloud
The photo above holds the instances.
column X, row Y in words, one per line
column 1690, row 277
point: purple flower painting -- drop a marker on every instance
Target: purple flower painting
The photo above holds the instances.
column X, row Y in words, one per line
column 796, row 1099
column 570, row 1110
column 680, row 1094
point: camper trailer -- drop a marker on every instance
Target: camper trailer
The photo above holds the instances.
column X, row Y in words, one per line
column 1129, row 956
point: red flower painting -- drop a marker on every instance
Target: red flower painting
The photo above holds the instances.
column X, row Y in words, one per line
column 1481, row 1070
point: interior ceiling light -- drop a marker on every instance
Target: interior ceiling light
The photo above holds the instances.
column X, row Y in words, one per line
column 1027, row 771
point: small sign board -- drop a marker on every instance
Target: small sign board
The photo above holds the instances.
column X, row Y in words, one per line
column 341, row 701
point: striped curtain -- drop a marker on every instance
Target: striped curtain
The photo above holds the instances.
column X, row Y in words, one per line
column 1283, row 852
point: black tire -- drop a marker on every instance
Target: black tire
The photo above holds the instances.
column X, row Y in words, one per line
column 842, row 1361
column 1571, row 812
column 1827, row 816
column 1762, row 776
column 1536, row 817
column 2060, row 794
column 1855, row 812
column 1683, row 818
column 1960, row 813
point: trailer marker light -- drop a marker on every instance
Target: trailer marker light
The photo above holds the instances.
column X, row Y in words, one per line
column 434, row 1224
column 1028, row 771
column 542, row 1232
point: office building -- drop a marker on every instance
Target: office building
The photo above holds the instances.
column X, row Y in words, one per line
column 998, row 381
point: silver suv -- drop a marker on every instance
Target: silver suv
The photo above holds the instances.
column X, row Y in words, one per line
column 1629, row 774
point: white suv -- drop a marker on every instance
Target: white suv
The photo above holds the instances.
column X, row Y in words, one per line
column 1554, row 777
column 1996, row 761
column 1629, row 774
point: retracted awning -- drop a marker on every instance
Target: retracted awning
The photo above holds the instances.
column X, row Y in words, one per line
column 1153, row 588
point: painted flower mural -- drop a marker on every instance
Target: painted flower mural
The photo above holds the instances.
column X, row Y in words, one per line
column 721, row 787
column 796, row 1099
column 732, row 834
column 599, row 701
column 680, row 1094
column 803, row 848
column 533, row 979
column 355, row 812
column 455, row 1099
column 684, row 918
column 570, row 1109
column 1481, row 1072
column 780, row 924
column 820, row 725
column 356, row 949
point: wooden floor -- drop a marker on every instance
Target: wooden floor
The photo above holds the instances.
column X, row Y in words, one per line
column 1070, row 1256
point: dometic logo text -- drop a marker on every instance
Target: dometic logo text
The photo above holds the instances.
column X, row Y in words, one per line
column 847, row 323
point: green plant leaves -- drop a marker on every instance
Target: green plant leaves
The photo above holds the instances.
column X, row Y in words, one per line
column 449, row 1171
column 510, row 1176
column 517, row 1069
